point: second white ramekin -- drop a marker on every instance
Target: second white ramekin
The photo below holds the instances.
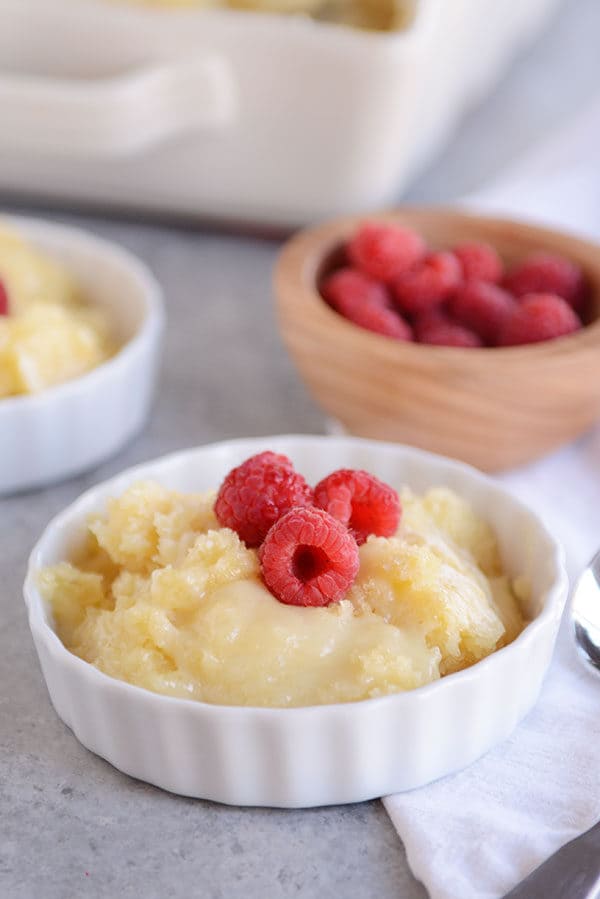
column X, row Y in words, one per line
column 68, row 429
column 317, row 755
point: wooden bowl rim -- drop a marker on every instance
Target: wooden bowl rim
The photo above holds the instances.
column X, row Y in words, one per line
column 304, row 253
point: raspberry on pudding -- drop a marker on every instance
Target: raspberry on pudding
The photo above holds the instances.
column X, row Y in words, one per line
column 309, row 558
column 257, row 493
column 363, row 503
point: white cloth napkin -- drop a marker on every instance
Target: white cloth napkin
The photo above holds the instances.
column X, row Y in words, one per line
column 480, row 832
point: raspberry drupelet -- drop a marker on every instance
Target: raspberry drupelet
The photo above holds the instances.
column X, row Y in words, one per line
column 309, row 558
column 257, row 493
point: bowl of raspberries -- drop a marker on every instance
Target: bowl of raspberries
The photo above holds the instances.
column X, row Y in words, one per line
column 466, row 335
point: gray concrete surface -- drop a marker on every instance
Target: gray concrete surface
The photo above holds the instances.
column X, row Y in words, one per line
column 70, row 825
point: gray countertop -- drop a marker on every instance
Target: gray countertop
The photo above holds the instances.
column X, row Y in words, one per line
column 70, row 825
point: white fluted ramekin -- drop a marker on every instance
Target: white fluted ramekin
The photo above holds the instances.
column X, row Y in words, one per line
column 317, row 755
column 68, row 429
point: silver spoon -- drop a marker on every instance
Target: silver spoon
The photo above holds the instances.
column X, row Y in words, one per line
column 585, row 614
column 574, row 871
column 571, row 873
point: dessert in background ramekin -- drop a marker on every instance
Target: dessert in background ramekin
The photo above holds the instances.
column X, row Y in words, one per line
column 70, row 427
column 320, row 754
column 49, row 333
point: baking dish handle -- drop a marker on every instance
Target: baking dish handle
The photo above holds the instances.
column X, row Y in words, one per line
column 121, row 115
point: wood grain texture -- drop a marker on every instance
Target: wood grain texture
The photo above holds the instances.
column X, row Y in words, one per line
column 493, row 408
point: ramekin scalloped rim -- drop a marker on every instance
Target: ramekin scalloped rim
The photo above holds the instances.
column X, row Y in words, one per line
column 72, row 427
column 314, row 755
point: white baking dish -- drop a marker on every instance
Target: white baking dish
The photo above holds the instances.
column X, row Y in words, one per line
column 264, row 118
column 65, row 430
column 321, row 754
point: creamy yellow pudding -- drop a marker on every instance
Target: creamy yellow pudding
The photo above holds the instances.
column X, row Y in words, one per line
column 161, row 596
column 49, row 334
column 378, row 15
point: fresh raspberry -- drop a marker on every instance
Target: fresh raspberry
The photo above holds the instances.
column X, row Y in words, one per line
column 364, row 302
column 348, row 289
column 385, row 251
column 479, row 262
column 257, row 493
column 361, row 502
column 482, row 307
column 539, row 316
column 3, row 300
column 426, row 320
column 429, row 284
column 549, row 273
column 381, row 320
column 442, row 331
column 308, row 558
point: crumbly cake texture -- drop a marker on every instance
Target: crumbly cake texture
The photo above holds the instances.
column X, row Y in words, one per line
column 161, row 596
column 48, row 334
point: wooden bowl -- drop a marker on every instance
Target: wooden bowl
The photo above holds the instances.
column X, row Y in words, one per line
column 494, row 408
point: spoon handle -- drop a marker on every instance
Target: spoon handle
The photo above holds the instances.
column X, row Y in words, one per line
column 571, row 873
